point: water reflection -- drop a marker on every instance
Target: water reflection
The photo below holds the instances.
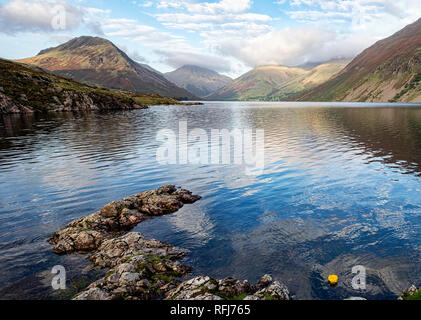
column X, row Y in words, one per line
column 341, row 187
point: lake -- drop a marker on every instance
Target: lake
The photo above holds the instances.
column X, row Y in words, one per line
column 340, row 188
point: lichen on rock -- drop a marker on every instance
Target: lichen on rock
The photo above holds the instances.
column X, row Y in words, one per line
column 139, row 269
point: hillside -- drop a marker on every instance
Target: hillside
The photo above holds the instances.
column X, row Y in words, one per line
column 29, row 90
column 390, row 70
column 26, row 89
column 199, row 81
column 96, row 61
column 275, row 83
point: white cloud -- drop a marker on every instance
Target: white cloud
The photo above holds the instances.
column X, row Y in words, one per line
column 218, row 7
column 222, row 6
column 191, row 18
column 147, row 35
column 286, row 47
column 23, row 16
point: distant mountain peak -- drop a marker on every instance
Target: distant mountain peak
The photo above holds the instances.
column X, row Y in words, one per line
column 198, row 80
column 75, row 43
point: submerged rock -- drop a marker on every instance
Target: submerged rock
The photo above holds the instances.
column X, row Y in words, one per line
column 86, row 234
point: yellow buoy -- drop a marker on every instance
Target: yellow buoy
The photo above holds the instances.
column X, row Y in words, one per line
column 333, row 280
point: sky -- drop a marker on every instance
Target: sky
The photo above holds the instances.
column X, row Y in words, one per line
column 228, row 36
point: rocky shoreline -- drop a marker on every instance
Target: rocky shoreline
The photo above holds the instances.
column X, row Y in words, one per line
column 148, row 269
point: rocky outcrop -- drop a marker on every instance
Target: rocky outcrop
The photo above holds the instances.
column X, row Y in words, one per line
column 8, row 106
column 146, row 269
column 86, row 234
column 139, row 269
column 28, row 90
column 206, row 288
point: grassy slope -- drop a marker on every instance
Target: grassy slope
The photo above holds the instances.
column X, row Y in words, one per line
column 388, row 71
column 38, row 89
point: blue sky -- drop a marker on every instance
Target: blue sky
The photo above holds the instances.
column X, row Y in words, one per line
column 229, row 36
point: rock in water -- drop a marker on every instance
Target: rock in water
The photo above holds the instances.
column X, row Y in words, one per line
column 86, row 234
column 206, row 288
column 142, row 269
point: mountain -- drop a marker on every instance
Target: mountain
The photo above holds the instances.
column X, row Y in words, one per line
column 99, row 62
column 274, row 83
column 30, row 90
column 390, row 70
column 199, row 81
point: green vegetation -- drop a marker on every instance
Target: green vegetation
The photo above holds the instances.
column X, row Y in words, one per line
column 269, row 297
column 75, row 287
column 42, row 91
column 416, row 296
column 408, row 87
column 241, row 297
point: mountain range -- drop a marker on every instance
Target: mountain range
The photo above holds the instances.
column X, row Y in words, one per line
column 197, row 80
column 274, row 83
column 97, row 61
column 390, row 70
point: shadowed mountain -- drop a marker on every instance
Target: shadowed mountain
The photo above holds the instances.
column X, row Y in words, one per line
column 390, row 70
column 276, row 83
column 197, row 80
column 99, row 62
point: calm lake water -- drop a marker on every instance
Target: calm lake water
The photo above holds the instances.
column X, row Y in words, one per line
column 341, row 187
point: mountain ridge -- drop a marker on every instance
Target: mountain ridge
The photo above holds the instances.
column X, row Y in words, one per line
column 275, row 83
column 97, row 61
column 388, row 71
